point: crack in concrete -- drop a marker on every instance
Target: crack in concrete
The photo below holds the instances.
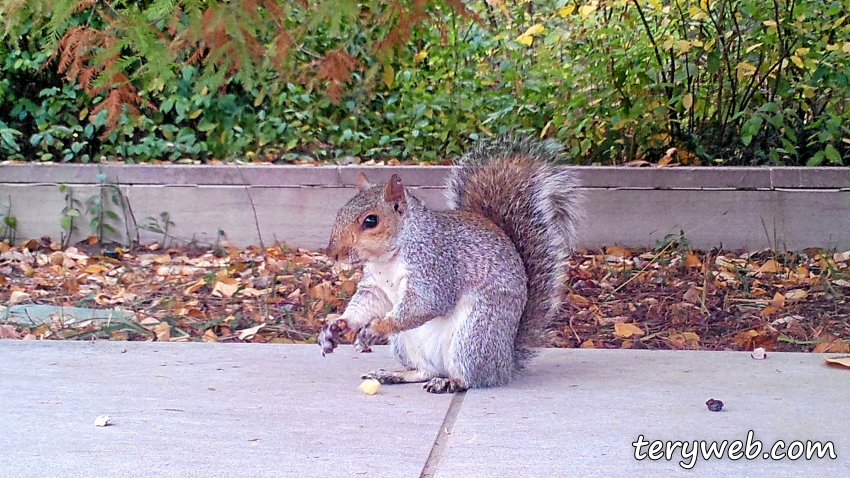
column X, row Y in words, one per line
column 430, row 468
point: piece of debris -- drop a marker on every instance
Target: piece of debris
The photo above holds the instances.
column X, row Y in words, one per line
column 759, row 353
column 370, row 386
column 101, row 421
column 714, row 405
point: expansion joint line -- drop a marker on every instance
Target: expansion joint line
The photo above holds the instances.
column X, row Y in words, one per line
column 446, row 428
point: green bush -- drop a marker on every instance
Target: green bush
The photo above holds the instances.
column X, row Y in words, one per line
column 724, row 81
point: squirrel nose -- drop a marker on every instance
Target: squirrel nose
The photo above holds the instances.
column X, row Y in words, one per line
column 332, row 251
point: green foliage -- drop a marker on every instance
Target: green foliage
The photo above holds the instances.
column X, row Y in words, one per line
column 70, row 212
column 100, row 207
column 159, row 226
column 724, row 81
column 8, row 223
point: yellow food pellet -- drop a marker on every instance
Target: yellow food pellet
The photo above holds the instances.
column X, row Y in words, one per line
column 370, row 386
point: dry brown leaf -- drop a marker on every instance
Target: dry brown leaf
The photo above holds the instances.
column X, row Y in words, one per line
column 222, row 289
column 163, row 332
column 96, row 269
column 588, row 344
column 667, row 158
column 194, row 287
column 769, row 310
column 686, row 340
column 693, row 295
column 692, row 260
column 209, row 336
column 752, row 339
column 796, row 295
column 778, row 301
column 18, row 296
column 627, row 330
column 832, row 346
column 247, row 334
column 579, row 301
column 603, row 321
column 770, row 266
column 842, row 360
column 8, row 332
column 71, row 285
column 617, row 251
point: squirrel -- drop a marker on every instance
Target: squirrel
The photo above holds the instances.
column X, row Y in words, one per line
column 464, row 294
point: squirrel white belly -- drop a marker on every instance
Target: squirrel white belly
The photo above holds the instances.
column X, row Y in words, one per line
column 461, row 294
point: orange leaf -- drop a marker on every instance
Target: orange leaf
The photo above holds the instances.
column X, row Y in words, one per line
column 627, row 330
column 770, row 266
column 579, row 301
column 618, row 251
column 692, row 260
column 834, row 346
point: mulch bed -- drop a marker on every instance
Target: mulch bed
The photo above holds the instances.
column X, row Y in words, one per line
column 669, row 298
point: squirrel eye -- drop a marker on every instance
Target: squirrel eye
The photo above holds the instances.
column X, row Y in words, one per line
column 370, row 221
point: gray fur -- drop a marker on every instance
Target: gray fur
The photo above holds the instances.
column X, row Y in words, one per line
column 515, row 183
column 468, row 291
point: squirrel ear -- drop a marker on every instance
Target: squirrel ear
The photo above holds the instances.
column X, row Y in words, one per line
column 363, row 181
column 394, row 192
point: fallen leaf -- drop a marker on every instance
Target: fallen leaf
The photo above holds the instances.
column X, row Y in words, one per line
column 194, row 287
column 209, row 336
column 247, row 334
column 617, row 251
column 578, row 301
column 770, row 266
column 17, row 297
column 693, row 295
column 8, row 332
column 588, row 344
column 222, row 289
column 843, row 360
column 603, row 321
column 778, row 301
column 627, row 330
column 96, row 269
column 71, row 285
column 692, row 260
column 668, row 156
column 832, row 346
column 796, row 295
column 163, row 332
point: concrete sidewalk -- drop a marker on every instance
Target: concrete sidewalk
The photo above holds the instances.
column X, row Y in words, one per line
column 245, row 410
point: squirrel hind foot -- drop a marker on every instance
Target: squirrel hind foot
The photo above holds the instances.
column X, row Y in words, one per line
column 386, row 377
column 444, row 385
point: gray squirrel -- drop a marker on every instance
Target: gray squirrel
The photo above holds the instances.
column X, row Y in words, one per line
column 464, row 294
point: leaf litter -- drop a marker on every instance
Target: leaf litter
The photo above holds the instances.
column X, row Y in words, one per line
column 617, row 297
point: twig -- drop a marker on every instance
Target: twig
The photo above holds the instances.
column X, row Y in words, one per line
column 253, row 207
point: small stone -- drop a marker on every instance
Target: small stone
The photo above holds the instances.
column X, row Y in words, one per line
column 714, row 405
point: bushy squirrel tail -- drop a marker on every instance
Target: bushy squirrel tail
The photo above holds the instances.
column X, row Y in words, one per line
column 514, row 182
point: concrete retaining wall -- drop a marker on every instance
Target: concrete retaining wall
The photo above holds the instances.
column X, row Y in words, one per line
column 747, row 208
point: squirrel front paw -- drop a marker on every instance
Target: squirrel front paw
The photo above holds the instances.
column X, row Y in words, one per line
column 330, row 335
column 366, row 338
